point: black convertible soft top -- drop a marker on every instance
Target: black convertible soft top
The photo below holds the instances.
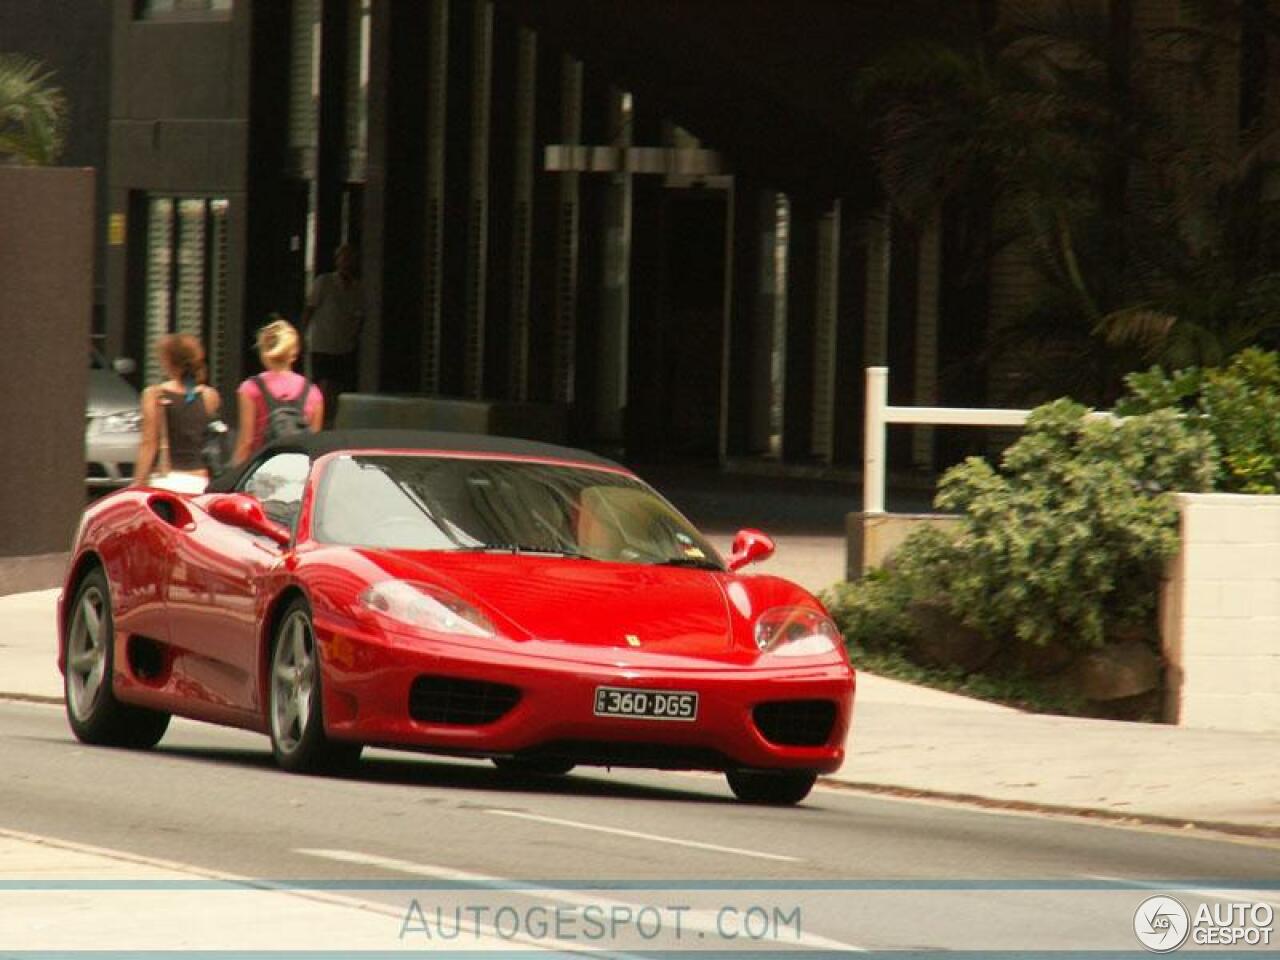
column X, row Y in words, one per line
column 316, row 445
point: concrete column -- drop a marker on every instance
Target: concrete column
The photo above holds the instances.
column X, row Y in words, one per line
column 879, row 251
column 802, row 289
column 522, row 211
column 757, row 297
column 331, row 138
column 373, row 233
column 564, row 333
column 925, row 378
column 46, row 273
column 614, row 308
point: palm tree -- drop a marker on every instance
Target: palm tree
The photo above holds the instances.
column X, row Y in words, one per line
column 32, row 112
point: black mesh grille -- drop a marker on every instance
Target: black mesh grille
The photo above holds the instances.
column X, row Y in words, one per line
column 95, row 470
column 796, row 723
column 457, row 701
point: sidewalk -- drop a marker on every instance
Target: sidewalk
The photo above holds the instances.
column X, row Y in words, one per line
column 914, row 740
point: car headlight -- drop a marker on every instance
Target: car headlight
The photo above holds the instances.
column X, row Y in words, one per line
column 126, row 421
column 428, row 607
column 796, row 632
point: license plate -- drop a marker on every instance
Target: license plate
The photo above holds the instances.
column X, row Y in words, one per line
column 646, row 704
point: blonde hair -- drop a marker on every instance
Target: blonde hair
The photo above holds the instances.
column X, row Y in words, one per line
column 182, row 354
column 278, row 342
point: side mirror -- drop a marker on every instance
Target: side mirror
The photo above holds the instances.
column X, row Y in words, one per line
column 750, row 546
column 124, row 366
column 243, row 511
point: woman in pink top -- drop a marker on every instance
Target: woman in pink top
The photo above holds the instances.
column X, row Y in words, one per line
column 278, row 346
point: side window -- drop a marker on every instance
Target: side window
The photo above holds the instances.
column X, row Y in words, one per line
column 279, row 482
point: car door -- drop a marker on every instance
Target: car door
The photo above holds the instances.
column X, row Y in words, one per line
column 216, row 591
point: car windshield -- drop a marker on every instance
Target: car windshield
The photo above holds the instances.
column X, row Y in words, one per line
column 456, row 503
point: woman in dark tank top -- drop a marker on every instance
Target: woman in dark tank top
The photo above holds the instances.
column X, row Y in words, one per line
column 174, row 416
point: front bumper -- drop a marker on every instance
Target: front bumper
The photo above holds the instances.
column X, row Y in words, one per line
column 368, row 681
column 109, row 457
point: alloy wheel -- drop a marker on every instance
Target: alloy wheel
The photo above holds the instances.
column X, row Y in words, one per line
column 87, row 652
column 293, row 676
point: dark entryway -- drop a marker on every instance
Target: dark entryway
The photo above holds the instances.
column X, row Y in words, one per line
column 677, row 336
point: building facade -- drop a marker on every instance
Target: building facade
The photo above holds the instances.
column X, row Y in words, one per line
column 655, row 218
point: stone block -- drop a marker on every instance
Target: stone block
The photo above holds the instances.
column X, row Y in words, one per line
column 872, row 538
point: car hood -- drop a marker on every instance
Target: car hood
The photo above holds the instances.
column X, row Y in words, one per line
column 671, row 610
column 109, row 394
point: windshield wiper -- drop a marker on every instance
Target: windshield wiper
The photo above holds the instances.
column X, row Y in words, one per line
column 696, row 563
column 528, row 548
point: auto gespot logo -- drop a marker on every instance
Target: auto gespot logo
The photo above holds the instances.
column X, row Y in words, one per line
column 1162, row 924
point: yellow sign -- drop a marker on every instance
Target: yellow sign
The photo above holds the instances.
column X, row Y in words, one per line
column 115, row 230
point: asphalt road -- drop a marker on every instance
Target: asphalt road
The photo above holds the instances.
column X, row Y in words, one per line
column 211, row 798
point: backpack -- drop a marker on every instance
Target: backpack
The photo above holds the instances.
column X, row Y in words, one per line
column 285, row 418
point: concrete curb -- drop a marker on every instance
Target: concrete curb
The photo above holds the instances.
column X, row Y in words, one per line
column 26, row 574
column 1131, row 818
column 31, row 698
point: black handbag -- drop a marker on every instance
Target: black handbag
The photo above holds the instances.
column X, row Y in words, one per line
column 217, row 449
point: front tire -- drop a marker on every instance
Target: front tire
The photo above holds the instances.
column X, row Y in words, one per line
column 93, row 712
column 295, row 703
column 774, row 788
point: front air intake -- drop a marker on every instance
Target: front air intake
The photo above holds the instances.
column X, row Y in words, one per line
column 796, row 723
column 453, row 700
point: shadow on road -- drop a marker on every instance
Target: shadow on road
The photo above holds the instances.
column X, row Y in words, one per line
column 412, row 770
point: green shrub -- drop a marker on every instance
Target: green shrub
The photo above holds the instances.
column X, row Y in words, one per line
column 1238, row 405
column 1066, row 541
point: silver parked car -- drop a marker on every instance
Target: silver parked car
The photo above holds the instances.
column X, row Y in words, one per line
column 113, row 428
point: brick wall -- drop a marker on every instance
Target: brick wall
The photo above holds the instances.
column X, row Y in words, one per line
column 1220, row 614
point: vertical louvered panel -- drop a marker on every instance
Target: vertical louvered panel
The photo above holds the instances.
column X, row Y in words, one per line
column 189, row 315
column 778, row 347
column 359, row 26
column 566, row 303
column 219, row 335
column 614, row 320
column 522, row 211
column 824, row 333
column 437, row 130
column 478, row 203
column 304, row 85
column 159, row 282
column 925, row 379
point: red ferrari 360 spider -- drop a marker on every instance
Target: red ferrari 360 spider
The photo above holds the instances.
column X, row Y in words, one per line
column 477, row 596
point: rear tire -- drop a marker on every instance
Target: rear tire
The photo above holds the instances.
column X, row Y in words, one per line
column 295, row 702
column 520, row 767
column 780, row 788
column 93, row 712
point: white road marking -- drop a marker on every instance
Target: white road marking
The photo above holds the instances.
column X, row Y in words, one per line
column 190, row 869
column 637, row 835
column 1209, row 893
column 697, row 921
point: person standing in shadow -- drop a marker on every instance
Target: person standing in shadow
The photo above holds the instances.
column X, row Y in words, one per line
column 331, row 323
